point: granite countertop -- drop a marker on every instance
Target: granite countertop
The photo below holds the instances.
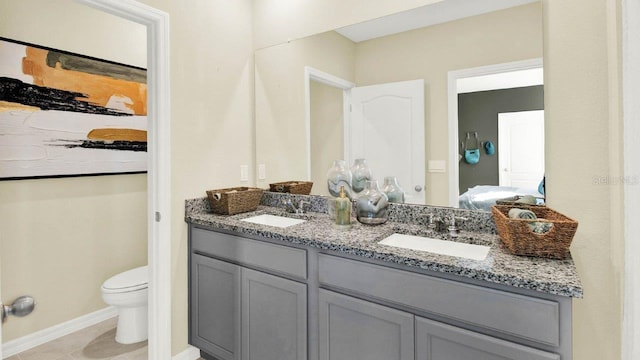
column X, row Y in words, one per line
column 558, row 277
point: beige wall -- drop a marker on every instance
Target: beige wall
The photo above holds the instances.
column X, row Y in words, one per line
column 581, row 84
column 211, row 117
column 430, row 53
column 61, row 238
column 327, row 132
column 280, row 103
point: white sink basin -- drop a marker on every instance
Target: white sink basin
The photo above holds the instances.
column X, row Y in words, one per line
column 443, row 247
column 274, row 220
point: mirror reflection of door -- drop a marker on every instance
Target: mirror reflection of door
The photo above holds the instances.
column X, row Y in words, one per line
column 521, row 148
column 386, row 128
column 516, row 167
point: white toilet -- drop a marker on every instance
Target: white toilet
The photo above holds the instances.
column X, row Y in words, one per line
column 127, row 292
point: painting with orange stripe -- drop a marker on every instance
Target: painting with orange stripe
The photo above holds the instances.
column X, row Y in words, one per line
column 65, row 114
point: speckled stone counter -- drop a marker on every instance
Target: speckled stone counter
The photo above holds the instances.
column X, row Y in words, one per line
column 558, row 277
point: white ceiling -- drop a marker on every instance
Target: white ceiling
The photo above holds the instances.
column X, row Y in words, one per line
column 507, row 80
column 436, row 13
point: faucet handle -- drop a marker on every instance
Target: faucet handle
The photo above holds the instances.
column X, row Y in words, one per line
column 302, row 204
column 433, row 221
column 288, row 205
column 459, row 218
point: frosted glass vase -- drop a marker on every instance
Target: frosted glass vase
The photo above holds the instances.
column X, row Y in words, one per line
column 372, row 204
column 339, row 175
column 392, row 189
column 361, row 174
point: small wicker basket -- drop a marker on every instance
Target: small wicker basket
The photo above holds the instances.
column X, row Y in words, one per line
column 518, row 237
column 293, row 187
column 234, row 200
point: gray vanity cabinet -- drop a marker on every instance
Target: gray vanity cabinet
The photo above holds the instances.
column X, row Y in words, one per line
column 215, row 307
column 274, row 317
column 438, row 341
column 256, row 300
column 351, row 328
column 240, row 313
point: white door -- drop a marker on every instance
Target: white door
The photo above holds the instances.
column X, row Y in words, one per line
column 386, row 128
column 521, row 148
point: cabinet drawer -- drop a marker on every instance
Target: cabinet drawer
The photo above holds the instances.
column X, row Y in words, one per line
column 438, row 341
column 517, row 315
column 280, row 259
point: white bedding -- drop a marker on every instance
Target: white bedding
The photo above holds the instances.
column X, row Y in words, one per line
column 482, row 197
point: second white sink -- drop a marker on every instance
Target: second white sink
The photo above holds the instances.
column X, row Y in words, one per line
column 273, row 220
column 443, row 247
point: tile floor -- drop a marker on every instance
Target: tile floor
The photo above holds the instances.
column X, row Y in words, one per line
column 95, row 342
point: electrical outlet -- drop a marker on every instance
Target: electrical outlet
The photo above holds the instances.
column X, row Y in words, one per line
column 244, row 172
column 262, row 172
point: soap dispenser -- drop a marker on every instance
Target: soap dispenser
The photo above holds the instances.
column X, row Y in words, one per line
column 343, row 210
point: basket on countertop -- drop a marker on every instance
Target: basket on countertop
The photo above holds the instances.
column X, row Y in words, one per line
column 520, row 239
column 234, row 200
column 292, row 187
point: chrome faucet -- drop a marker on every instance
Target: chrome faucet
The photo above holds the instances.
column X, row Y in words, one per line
column 291, row 207
column 454, row 231
column 439, row 224
column 435, row 223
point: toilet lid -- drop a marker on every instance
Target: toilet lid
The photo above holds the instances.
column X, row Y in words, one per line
column 129, row 280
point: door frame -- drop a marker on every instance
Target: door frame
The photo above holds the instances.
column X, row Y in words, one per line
column 159, row 165
column 452, row 96
column 631, row 112
column 312, row 74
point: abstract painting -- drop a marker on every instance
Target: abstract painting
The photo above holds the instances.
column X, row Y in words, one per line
column 63, row 114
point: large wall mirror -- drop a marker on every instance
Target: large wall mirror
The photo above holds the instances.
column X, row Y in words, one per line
column 467, row 67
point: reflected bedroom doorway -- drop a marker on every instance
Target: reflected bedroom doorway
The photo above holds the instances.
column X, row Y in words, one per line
column 476, row 98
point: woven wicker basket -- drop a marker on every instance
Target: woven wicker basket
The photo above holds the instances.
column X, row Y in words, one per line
column 293, row 187
column 521, row 240
column 234, row 200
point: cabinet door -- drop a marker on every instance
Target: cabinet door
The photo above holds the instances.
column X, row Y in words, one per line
column 274, row 317
column 438, row 341
column 352, row 329
column 215, row 307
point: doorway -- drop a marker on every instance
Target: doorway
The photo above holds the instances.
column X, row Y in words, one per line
column 454, row 82
column 158, row 186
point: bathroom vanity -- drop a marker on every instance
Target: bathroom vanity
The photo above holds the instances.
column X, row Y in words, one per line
column 310, row 291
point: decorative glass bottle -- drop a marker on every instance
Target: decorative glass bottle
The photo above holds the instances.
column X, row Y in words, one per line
column 339, row 175
column 371, row 206
column 361, row 174
column 392, row 189
column 343, row 210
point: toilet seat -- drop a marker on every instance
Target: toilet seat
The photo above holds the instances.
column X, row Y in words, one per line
column 131, row 280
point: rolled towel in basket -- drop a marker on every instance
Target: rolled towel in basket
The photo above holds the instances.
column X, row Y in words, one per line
column 516, row 213
column 540, row 227
column 527, row 199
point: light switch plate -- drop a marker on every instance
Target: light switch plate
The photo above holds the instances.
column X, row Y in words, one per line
column 262, row 171
column 244, row 172
column 436, row 166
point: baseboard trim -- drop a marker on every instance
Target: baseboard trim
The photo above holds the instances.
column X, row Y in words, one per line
column 30, row 341
column 191, row 353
